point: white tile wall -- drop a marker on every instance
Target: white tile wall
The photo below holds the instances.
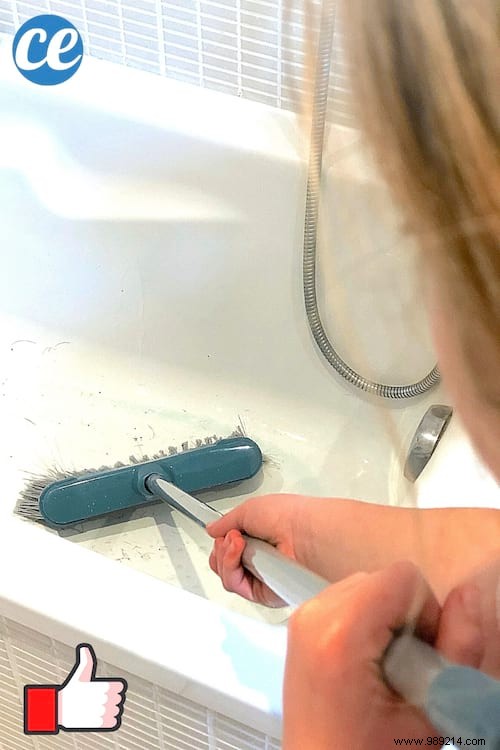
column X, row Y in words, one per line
column 154, row 719
column 249, row 48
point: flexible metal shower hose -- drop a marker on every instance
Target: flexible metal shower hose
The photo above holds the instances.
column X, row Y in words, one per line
column 320, row 103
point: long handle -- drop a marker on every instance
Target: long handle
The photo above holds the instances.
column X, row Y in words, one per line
column 459, row 701
column 289, row 580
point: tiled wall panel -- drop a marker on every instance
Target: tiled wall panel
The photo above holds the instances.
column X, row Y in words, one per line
column 250, row 48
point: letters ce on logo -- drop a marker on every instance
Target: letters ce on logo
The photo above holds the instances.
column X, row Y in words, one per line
column 47, row 50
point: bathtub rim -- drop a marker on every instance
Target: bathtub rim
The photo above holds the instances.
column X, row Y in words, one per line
column 42, row 595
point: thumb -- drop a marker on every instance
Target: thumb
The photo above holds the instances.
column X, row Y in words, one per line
column 233, row 519
column 460, row 635
column 266, row 517
column 86, row 664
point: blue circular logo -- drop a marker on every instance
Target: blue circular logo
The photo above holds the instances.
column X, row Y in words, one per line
column 47, row 50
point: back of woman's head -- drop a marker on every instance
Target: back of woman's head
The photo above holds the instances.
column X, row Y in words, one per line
column 426, row 80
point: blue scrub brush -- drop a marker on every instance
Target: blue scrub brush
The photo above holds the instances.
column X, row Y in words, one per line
column 60, row 499
column 462, row 703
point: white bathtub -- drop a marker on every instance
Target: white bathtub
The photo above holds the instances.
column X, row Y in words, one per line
column 151, row 293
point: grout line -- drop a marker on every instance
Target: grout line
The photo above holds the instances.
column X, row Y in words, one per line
column 17, row 677
column 157, row 711
column 211, row 736
column 161, row 38
column 15, row 14
column 238, row 47
column 280, row 51
column 200, row 42
column 85, row 26
column 122, row 31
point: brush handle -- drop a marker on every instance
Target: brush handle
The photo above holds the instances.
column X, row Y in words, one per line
column 288, row 579
column 68, row 501
column 459, row 701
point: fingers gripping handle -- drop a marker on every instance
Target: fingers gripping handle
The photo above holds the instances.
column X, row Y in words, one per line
column 289, row 580
column 457, row 700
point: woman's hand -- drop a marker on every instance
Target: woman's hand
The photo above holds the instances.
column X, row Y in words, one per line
column 334, row 693
column 336, row 537
column 333, row 537
column 278, row 519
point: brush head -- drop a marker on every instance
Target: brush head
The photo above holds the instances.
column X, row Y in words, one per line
column 60, row 497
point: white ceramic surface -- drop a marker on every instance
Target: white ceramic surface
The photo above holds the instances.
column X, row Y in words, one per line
column 150, row 293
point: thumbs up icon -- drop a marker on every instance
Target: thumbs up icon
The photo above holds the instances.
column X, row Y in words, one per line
column 83, row 703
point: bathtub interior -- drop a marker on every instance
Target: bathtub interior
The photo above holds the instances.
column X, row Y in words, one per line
column 151, row 295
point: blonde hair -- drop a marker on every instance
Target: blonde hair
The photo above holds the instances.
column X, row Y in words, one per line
column 426, row 79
